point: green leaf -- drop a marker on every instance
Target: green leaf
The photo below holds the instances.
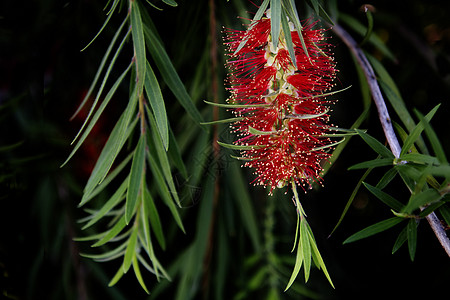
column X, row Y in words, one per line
column 434, row 140
column 317, row 257
column 130, row 252
column 111, row 176
column 361, row 30
column 401, row 239
column 112, row 147
column 445, row 212
column 135, row 181
column 306, row 248
column 350, row 200
column 170, row 2
column 291, row 11
column 169, row 74
column 157, row 103
column 112, row 233
column 97, row 114
column 110, row 13
column 411, row 233
column 237, row 105
column 107, row 256
column 100, row 68
column 387, row 178
column 288, row 37
column 297, row 266
column 419, row 158
column 421, row 199
column 258, row 16
column 223, row 121
column 375, row 145
column 116, row 277
column 373, row 229
column 163, row 190
column 240, row 147
column 115, row 199
column 153, row 216
column 162, row 158
column 415, row 133
column 275, row 21
column 385, row 198
column 369, row 26
column 372, row 163
column 139, row 45
column 175, row 154
column 138, row 274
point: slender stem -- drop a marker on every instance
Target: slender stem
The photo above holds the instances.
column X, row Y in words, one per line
column 386, row 121
column 216, row 151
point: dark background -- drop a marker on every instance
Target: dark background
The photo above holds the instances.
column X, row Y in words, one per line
column 43, row 77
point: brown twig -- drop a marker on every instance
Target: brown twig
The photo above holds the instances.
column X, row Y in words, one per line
column 385, row 120
column 216, row 151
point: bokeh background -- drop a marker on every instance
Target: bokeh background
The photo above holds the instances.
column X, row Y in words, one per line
column 43, row 78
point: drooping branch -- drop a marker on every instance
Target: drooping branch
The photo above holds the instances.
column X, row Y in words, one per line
column 386, row 120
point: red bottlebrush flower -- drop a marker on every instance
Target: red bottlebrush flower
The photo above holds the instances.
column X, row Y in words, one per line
column 281, row 108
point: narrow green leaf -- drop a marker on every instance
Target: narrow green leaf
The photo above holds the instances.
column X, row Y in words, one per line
column 419, row 158
column 306, row 248
column 153, row 216
column 162, row 158
column 369, row 26
column 135, row 181
column 291, row 11
column 107, row 256
column 115, row 199
column 170, row 2
column 240, row 147
column 163, row 190
column 138, row 274
column 421, row 199
column 297, row 266
column 275, row 21
column 112, row 147
column 169, row 74
column 373, row 229
column 130, row 252
column 372, row 164
column 138, row 45
column 411, row 233
column 387, row 178
column 375, row 145
column 415, row 133
column 288, row 37
column 445, row 212
column 100, row 68
column 350, row 200
column 317, row 257
column 146, row 238
column 259, row 132
column 111, row 176
column 401, row 239
column 98, row 114
column 324, row 14
column 385, row 198
column 102, row 86
column 116, row 277
column 112, row 233
column 229, row 120
column 110, row 13
column 258, row 16
column 361, row 30
column 237, row 105
column 157, row 103
column 175, row 155
column 433, row 138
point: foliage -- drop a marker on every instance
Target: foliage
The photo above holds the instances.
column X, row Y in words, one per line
column 163, row 199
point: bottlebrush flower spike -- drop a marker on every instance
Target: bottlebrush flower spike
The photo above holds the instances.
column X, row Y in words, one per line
column 281, row 108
